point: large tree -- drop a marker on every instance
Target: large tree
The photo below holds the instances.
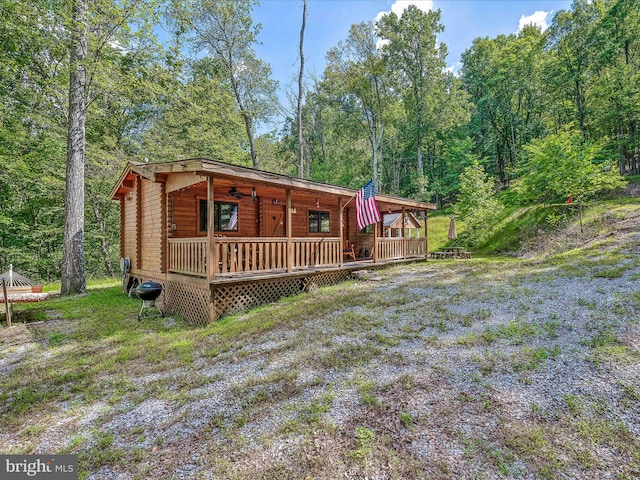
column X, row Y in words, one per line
column 432, row 97
column 301, row 162
column 225, row 29
column 359, row 84
column 72, row 272
column 504, row 77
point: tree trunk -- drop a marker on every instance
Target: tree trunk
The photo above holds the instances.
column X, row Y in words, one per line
column 248, row 124
column 72, row 271
column 301, row 92
column 432, row 174
column 580, row 107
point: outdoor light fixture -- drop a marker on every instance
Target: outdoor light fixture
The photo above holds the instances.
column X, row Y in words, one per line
column 254, row 197
column 276, row 201
column 317, row 203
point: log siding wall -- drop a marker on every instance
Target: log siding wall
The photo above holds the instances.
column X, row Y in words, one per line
column 152, row 226
column 130, row 221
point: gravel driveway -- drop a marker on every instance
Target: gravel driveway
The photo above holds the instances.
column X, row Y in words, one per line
column 445, row 369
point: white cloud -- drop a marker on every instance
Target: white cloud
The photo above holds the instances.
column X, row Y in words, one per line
column 400, row 6
column 538, row 19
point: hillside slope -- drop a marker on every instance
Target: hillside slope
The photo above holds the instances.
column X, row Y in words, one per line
column 544, row 230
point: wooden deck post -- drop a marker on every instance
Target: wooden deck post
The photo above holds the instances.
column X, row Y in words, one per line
column 404, row 234
column 341, row 223
column 289, row 228
column 211, row 238
column 375, row 242
column 7, row 305
column 426, row 235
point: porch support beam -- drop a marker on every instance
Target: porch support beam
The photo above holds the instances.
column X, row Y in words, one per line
column 341, row 223
column 289, row 228
column 211, row 238
column 426, row 234
column 375, row 242
column 404, row 233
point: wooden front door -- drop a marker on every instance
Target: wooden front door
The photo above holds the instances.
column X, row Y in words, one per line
column 273, row 220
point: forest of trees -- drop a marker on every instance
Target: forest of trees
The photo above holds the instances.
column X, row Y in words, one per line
column 542, row 114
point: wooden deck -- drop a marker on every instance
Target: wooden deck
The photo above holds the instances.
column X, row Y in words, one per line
column 242, row 277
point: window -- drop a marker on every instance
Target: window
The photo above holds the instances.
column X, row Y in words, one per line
column 367, row 229
column 225, row 216
column 318, row 222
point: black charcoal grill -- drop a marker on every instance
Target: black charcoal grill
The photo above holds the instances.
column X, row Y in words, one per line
column 149, row 292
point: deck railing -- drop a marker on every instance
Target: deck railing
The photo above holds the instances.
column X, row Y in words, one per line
column 390, row 248
column 251, row 254
column 314, row 252
column 188, row 255
column 258, row 254
column 415, row 247
column 397, row 248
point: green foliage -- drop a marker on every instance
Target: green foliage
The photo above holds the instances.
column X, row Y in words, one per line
column 562, row 165
column 553, row 113
column 225, row 30
column 504, row 77
column 477, row 203
column 199, row 120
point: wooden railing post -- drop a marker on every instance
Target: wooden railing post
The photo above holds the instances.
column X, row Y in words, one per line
column 7, row 305
column 404, row 230
column 375, row 242
column 341, row 223
column 211, row 238
column 426, row 235
column 289, row 234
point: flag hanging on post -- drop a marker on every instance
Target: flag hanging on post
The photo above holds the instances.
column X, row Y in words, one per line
column 366, row 206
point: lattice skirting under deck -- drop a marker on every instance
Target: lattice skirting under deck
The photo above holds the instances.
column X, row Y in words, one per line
column 236, row 298
column 319, row 280
column 188, row 301
column 193, row 303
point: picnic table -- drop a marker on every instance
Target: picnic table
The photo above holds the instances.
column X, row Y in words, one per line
column 451, row 252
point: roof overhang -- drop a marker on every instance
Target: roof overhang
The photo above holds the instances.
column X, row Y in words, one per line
column 213, row 168
column 125, row 181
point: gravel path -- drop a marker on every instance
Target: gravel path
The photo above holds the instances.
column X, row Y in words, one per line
column 453, row 369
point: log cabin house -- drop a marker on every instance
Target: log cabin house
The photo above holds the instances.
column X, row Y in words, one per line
column 268, row 235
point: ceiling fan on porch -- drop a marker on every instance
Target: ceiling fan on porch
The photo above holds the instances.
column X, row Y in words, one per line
column 234, row 192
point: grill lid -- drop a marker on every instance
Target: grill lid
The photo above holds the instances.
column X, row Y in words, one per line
column 149, row 290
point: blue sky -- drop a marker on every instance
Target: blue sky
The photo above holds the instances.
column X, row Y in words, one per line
column 328, row 22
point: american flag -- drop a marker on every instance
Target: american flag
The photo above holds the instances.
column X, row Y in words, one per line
column 233, row 220
column 366, row 207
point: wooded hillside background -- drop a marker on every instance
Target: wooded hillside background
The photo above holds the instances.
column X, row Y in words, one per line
column 544, row 115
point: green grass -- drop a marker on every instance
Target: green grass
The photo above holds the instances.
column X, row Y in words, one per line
column 518, row 226
column 439, row 231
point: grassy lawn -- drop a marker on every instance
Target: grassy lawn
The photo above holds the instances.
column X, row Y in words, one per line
column 489, row 368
